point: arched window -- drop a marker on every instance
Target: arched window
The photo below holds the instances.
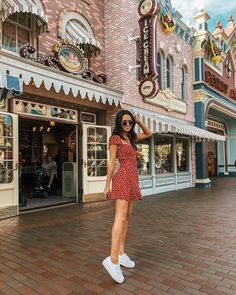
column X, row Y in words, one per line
column 160, row 69
column 184, row 83
column 169, row 71
column 77, row 29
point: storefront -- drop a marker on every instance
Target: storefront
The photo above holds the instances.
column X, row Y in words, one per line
column 214, row 93
column 168, row 156
column 38, row 121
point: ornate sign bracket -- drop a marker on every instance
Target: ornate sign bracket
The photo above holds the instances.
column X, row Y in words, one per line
column 68, row 58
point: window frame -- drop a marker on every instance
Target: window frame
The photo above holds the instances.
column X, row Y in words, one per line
column 160, row 69
column 184, row 83
column 169, row 72
column 30, row 30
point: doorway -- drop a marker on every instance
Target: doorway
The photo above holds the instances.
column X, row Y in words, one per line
column 48, row 163
column 212, row 159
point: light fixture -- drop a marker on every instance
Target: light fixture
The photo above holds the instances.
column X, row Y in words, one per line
column 48, row 129
column 34, row 129
column 41, row 128
column 52, row 123
column 62, row 140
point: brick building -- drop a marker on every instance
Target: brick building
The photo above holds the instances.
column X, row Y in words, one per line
column 215, row 97
column 53, row 102
column 169, row 156
column 55, row 98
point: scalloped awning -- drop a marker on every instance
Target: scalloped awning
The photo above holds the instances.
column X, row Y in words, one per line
column 10, row 7
column 164, row 125
column 52, row 79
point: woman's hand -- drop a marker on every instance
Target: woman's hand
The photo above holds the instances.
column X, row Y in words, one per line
column 107, row 191
column 137, row 119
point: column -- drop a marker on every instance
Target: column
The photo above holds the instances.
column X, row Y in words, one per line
column 201, row 172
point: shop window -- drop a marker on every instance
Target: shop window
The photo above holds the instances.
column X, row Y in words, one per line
column 143, row 160
column 160, row 65
column 182, row 161
column 6, row 153
column 163, row 154
column 97, row 151
column 17, row 32
column 184, row 83
column 138, row 59
column 169, row 70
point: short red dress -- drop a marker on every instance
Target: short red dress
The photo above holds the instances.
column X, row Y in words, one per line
column 125, row 183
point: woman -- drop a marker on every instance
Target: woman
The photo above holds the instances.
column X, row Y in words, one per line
column 125, row 187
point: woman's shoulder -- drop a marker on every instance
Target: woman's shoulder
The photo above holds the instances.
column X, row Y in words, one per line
column 115, row 139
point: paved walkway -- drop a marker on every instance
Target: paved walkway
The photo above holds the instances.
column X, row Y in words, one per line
column 183, row 242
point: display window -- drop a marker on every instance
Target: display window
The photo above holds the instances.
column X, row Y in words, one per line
column 6, row 152
column 163, row 149
column 182, row 161
column 97, row 151
column 143, row 159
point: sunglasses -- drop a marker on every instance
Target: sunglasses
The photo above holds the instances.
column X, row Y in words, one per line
column 127, row 122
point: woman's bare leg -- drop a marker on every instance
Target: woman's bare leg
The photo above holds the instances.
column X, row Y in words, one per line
column 118, row 228
column 125, row 228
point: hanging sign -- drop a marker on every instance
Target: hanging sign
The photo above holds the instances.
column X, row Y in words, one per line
column 216, row 51
column 166, row 20
column 70, row 57
column 148, row 84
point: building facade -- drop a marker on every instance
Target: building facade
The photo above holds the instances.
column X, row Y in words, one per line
column 214, row 94
column 54, row 100
column 169, row 156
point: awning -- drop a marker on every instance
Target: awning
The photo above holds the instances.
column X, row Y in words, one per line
column 10, row 7
column 10, row 83
column 53, row 80
column 164, row 125
column 77, row 33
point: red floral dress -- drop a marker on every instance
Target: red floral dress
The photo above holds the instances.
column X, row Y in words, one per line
column 125, row 184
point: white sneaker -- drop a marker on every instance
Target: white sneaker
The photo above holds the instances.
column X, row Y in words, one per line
column 114, row 270
column 125, row 261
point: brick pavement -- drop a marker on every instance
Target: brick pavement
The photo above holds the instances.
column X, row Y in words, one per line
column 183, row 242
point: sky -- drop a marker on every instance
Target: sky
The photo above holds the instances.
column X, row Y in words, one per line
column 189, row 8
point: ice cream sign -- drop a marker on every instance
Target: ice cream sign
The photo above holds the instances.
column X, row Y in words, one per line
column 148, row 84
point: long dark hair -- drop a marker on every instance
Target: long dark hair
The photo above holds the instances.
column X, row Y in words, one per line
column 118, row 130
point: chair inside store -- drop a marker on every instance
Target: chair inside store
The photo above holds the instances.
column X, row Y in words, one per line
column 37, row 141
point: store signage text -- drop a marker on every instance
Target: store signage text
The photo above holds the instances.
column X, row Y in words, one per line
column 216, row 82
column 219, row 84
column 148, row 85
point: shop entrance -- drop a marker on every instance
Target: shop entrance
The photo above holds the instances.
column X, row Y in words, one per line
column 212, row 159
column 48, row 163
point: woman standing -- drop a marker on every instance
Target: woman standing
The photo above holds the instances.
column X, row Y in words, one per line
column 125, row 187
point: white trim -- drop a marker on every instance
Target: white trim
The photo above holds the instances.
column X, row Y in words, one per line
column 205, row 180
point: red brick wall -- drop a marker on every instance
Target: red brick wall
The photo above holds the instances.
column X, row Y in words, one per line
column 121, row 21
column 92, row 10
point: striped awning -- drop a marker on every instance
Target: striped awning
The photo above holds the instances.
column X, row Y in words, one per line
column 10, row 7
column 164, row 125
column 76, row 32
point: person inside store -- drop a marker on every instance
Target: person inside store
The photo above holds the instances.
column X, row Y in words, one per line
column 50, row 169
column 125, row 187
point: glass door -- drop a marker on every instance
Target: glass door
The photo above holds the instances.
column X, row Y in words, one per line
column 95, row 156
column 9, row 181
